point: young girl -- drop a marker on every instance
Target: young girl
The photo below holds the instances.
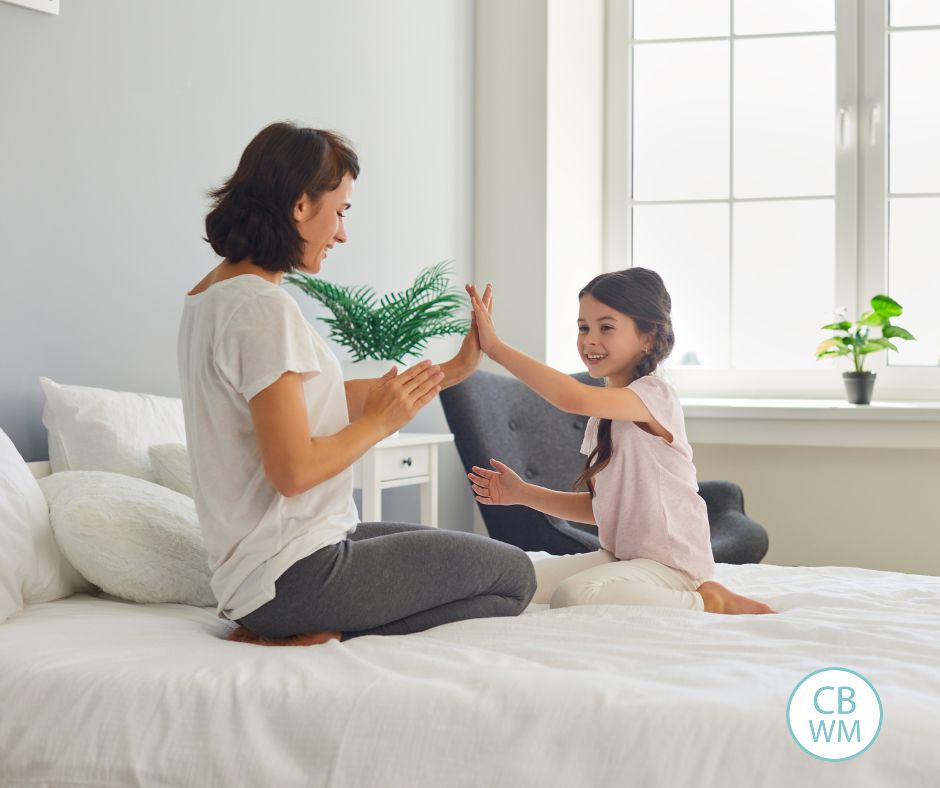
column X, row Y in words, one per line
column 641, row 484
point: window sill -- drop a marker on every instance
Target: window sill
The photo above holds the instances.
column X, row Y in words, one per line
column 812, row 422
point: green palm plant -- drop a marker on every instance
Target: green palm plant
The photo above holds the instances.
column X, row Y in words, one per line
column 396, row 325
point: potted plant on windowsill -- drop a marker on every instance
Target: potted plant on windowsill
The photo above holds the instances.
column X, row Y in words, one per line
column 380, row 332
column 855, row 341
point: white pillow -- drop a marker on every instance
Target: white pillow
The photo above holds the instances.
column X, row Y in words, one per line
column 132, row 538
column 93, row 429
column 32, row 568
column 16, row 546
column 170, row 463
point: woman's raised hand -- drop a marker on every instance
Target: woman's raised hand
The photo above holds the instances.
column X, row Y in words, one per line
column 483, row 318
column 501, row 487
column 397, row 398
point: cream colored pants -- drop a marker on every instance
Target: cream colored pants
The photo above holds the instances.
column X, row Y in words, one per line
column 598, row 578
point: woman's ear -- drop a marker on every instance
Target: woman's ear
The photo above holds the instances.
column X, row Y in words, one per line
column 304, row 208
column 299, row 206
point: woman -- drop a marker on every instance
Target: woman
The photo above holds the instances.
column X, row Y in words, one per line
column 273, row 430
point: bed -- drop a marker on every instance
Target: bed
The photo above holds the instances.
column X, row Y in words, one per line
column 97, row 691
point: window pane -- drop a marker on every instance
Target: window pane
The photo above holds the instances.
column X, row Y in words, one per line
column 910, row 13
column 680, row 18
column 680, row 121
column 687, row 245
column 915, row 112
column 783, row 282
column 784, row 117
column 914, row 277
column 777, row 16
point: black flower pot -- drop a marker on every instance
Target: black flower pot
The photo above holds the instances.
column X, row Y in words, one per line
column 859, row 386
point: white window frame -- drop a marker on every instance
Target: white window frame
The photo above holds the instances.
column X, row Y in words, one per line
column 860, row 204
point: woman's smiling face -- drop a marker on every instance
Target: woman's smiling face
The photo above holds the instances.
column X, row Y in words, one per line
column 320, row 223
column 608, row 341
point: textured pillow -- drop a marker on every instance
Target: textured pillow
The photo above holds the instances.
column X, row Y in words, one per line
column 93, row 429
column 132, row 538
column 32, row 568
column 16, row 545
column 170, row 463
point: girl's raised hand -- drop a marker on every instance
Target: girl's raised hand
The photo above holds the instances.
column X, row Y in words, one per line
column 500, row 487
column 470, row 351
column 483, row 318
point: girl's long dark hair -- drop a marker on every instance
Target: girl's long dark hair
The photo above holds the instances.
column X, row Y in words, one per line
column 640, row 294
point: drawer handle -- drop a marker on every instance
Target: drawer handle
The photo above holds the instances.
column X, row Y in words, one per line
column 406, row 461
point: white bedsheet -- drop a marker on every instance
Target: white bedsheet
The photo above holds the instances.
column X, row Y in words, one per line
column 101, row 692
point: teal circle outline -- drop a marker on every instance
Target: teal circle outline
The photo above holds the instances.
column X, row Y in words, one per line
column 881, row 714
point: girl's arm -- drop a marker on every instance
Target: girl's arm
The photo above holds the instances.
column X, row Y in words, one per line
column 457, row 369
column 574, row 506
column 504, row 487
column 563, row 391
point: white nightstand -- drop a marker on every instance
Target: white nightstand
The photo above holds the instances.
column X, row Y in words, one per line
column 407, row 458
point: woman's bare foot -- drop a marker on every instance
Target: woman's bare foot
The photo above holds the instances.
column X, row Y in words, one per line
column 243, row 635
column 720, row 599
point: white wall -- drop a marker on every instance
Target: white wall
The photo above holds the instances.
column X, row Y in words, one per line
column 511, row 149
column 574, row 169
column 117, row 116
column 826, row 506
column 539, row 166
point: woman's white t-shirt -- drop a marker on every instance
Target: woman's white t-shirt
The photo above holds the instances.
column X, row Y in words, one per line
column 236, row 338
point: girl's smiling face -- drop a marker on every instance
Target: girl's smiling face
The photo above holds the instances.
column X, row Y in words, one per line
column 608, row 341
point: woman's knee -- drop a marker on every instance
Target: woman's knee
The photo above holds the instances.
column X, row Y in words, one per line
column 523, row 574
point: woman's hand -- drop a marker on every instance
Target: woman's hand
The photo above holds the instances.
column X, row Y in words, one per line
column 483, row 319
column 502, row 487
column 397, row 399
column 470, row 353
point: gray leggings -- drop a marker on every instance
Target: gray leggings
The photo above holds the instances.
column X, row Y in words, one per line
column 393, row 579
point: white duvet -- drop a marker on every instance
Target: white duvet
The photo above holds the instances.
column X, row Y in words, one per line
column 99, row 692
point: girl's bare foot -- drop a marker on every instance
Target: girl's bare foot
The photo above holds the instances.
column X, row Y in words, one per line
column 720, row 599
column 243, row 635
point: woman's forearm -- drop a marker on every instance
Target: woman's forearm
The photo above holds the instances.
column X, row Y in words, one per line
column 332, row 454
column 575, row 506
column 356, row 392
column 454, row 371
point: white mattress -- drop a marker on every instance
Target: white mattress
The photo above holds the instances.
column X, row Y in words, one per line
column 95, row 691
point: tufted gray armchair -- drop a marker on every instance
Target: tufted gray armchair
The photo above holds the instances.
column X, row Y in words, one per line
column 498, row 416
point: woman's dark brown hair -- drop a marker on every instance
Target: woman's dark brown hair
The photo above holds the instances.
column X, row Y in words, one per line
column 251, row 215
column 640, row 294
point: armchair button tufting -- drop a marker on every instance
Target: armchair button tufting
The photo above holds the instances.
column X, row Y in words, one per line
column 512, row 424
column 579, row 425
column 529, row 473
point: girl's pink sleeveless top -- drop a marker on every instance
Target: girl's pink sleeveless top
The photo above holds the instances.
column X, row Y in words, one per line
column 646, row 501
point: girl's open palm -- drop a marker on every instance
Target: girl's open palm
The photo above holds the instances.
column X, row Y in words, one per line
column 483, row 317
column 500, row 487
column 470, row 351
